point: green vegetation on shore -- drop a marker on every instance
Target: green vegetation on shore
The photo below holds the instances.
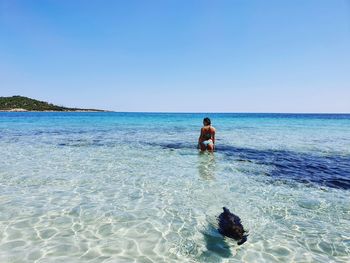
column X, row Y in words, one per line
column 21, row 103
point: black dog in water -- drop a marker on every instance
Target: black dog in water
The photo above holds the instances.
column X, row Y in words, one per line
column 230, row 226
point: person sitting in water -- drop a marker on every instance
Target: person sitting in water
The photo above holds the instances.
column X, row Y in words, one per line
column 206, row 140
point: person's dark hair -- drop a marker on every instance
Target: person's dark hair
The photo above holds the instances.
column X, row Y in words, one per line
column 207, row 121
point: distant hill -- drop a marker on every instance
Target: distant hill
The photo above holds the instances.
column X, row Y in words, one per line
column 20, row 103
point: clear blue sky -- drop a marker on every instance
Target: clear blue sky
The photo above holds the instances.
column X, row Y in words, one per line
column 173, row 55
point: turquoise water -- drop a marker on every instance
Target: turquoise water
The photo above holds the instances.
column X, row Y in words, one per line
column 131, row 187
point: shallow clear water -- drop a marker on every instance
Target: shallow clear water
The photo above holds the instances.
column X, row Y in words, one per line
column 131, row 187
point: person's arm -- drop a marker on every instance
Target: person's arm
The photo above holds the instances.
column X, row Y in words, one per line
column 200, row 136
column 199, row 139
column 213, row 137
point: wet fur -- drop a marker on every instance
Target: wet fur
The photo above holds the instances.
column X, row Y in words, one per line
column 230, row 225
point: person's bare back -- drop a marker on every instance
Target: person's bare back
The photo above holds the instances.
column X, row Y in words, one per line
column 206, row 140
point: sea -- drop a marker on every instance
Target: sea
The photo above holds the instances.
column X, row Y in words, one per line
column 133, row 187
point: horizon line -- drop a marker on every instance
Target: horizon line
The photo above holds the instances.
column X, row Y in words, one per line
column 191, row 112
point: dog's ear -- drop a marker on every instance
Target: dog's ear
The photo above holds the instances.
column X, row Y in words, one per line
column 226, row 210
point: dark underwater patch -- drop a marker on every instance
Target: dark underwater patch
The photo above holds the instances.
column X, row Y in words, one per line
column 332, row 171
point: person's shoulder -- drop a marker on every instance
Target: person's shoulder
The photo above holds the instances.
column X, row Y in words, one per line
column 213, row 128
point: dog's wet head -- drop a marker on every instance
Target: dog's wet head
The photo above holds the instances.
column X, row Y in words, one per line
column 230, row 226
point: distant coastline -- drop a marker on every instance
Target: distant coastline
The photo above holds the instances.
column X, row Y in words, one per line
column 25, row 104
column 24, row 110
